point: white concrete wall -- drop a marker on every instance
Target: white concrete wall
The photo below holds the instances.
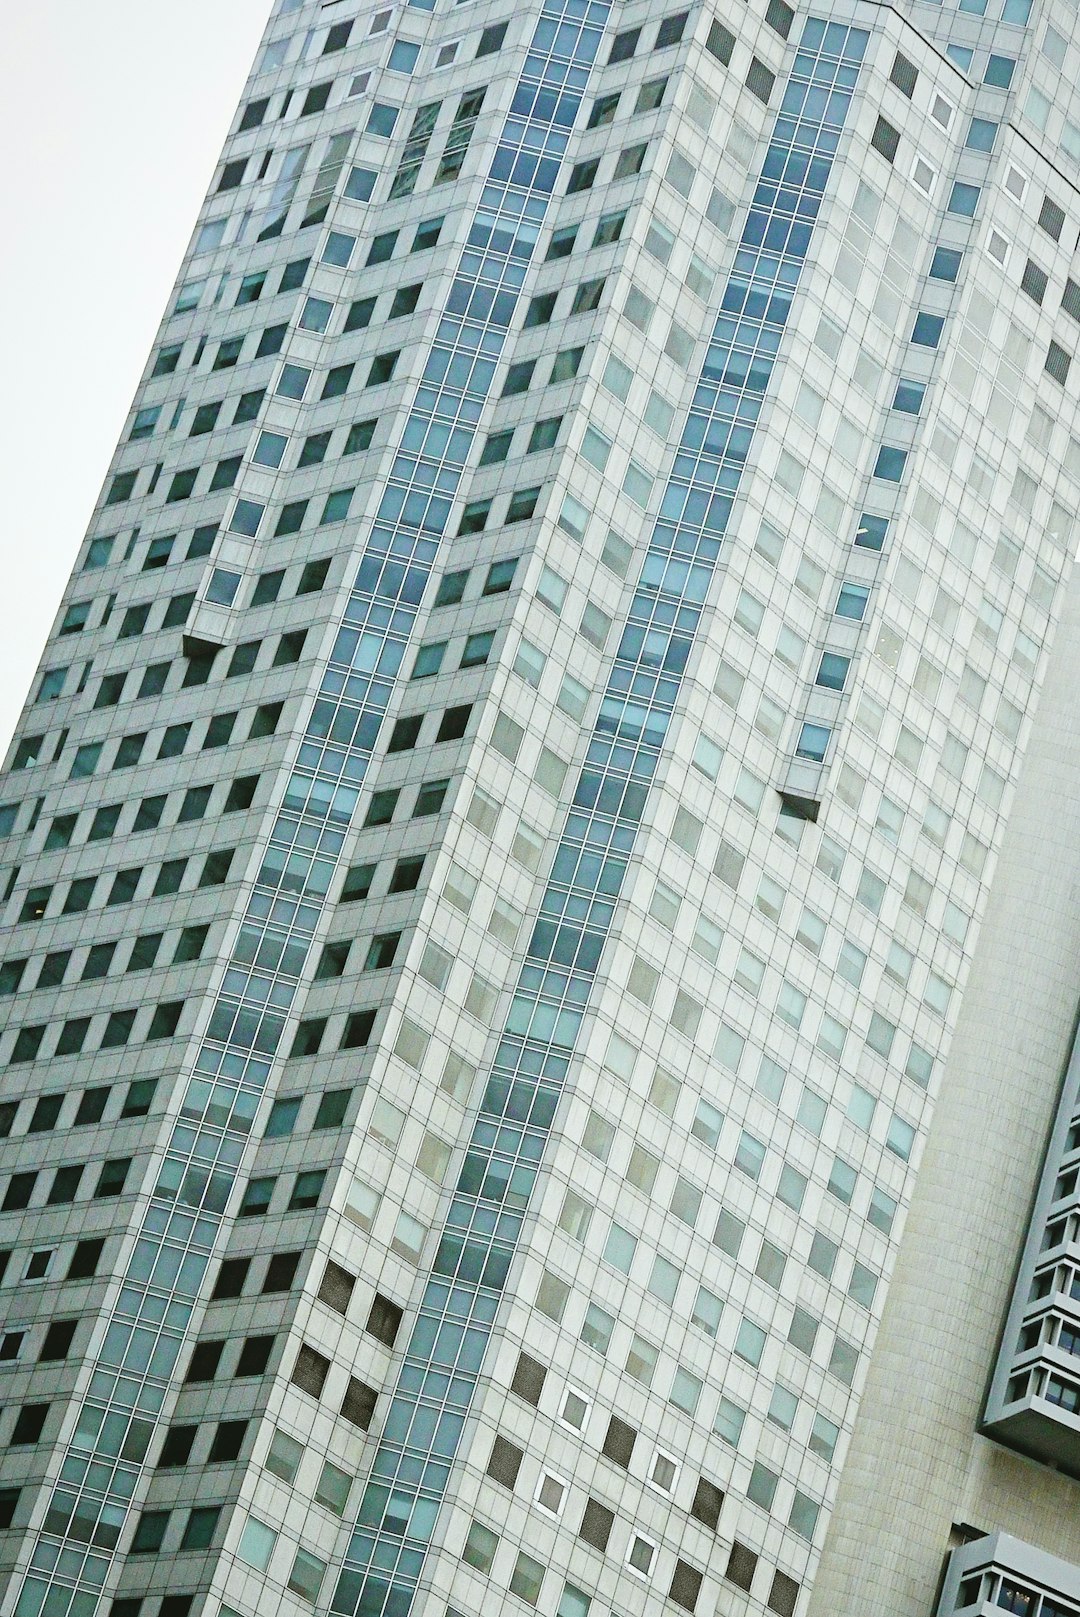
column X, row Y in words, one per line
column 916, row 1464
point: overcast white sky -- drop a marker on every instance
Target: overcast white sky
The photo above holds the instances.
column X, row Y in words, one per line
column 111, row 118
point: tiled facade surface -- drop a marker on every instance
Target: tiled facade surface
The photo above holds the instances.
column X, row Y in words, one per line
column 968, row 1220
column 585, row 555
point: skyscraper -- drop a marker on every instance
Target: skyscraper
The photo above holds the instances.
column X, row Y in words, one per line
column 586, row 554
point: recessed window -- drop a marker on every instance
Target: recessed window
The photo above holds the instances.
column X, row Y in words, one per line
column 832, row 670
column 551, row 1493
column 760, row 79
column 671, row 30
column 1051, row 219
column 1057, row 363
column 624, row 45
column 403, row 56
column 814, row 743
column 640, row 1556
column 885, row 139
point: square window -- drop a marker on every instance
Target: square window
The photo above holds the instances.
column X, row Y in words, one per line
column 360, row 184
column 649, row 97
column 760, row 79
column 480, row 1547
column 624, row 45
column 640, row 1555
column 963, row 199
column 382, row 120
column 332, row 1490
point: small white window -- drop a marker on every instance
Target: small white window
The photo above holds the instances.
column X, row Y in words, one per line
column 575, row 1408
column 997, row 247
column 1016, row 182
column 663, row 1471
column 551, row 1493
column 941, row 111
column 640, row 1558
column 923, row 175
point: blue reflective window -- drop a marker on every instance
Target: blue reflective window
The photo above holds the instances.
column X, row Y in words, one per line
column 269, row 449
column 813, row 742
column 315, row 315
column 961, row 55
column 283, row 1115
column 145, row 422
column 403, row 56
column 982, row 132
column 429, row 659
column 337, row 505
column 851, row 602
column 945, row 264
column 832, row 670
column 293, row 382
column 908, row 398
column 927, row 329
column 98, row 553
column 427, row 234
column 890, row 462
column 381, row 119
column 963, row 199
column 1016, row 11
column 246, row 518
column 999, row 71
column 574, row 1603
column 223, row 586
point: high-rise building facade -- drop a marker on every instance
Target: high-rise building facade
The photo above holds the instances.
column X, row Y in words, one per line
column 550, row 1098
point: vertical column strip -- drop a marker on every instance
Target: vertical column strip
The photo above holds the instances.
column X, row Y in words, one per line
column 442, row 1364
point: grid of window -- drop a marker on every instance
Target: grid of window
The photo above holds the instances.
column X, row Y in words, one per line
column 254, row 1020
column 197, row 1177
column 445, row 1353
